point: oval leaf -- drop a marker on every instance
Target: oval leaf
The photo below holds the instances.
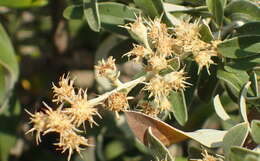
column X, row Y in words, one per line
column 8, row 62
column 220, row 109
column 250, row 28
column 242, row 101
column 168, row 135
column 179, row 107
column 110, row 13
column 159, row 151
column 155, row 8
column 245, row 63
column 205, row 32
column 91, row 14
column 234, row 80
column 235, row 136
column 216, row 7
column 255, row 127
column 241, row 154
column 243, row 10
column 240, row 47
column 253, row 79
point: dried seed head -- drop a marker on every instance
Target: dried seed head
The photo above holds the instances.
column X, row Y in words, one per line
column 139, row 52
column 149, row 108
column 39, row 121
column 156, row 29
column 164, row 46
column 164, row 104
column 57, row 121
column 71, row 141
column 178, row 46
column 65, row 91
column 117, row 102
column 157, row 63
column 187, row 30
column 107, row 68
column 203, row 58
column 176, row 80
column 215, row 43
column 138, row 30
column 81, row 110
column 157, row 87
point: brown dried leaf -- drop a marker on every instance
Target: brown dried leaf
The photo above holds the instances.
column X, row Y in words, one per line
column 168, row 135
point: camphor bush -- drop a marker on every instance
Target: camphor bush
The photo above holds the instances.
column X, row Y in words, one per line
column 192, row 93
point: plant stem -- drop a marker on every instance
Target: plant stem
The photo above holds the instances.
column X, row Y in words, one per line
column 128, row 85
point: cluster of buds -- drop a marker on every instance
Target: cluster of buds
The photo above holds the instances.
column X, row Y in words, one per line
column 159, row 46
column 156, row 52
column 187, row 40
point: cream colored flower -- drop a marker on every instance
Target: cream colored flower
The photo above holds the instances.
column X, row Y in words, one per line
column 65, row 91
column 138, row 52
column 117, row 102
column 176, row 80
column 71, row 141
column 39, row 121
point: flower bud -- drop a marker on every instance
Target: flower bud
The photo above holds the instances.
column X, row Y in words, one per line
column 138, row 30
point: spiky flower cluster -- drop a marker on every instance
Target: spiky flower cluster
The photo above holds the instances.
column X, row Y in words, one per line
column 65, row 120
column 187, row 40
column 159, row 48
column 156, row 52
column 75, row 110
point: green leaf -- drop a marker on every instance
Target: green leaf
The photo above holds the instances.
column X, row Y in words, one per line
column 255, row 127
column 92, row 14
column 155, row 8
column 158, row 150
column 220, row 109
column 23, row 3
column 114, row 149
column 179, row 107
column 116, row 13
column 240, row 47
column 245, row 63
column 8, row 126
column 74, row 12
column 242, row 101
column 243, row 10
column 234, row 80
column 216, row 7
column 253, row 78
column 174, row 8
column 242, row 154
column 110, row 13
column 207, row 85
column 250, row 28
column 205, row 32
column 235, row 136
column 2, row 85
column 8, row 61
